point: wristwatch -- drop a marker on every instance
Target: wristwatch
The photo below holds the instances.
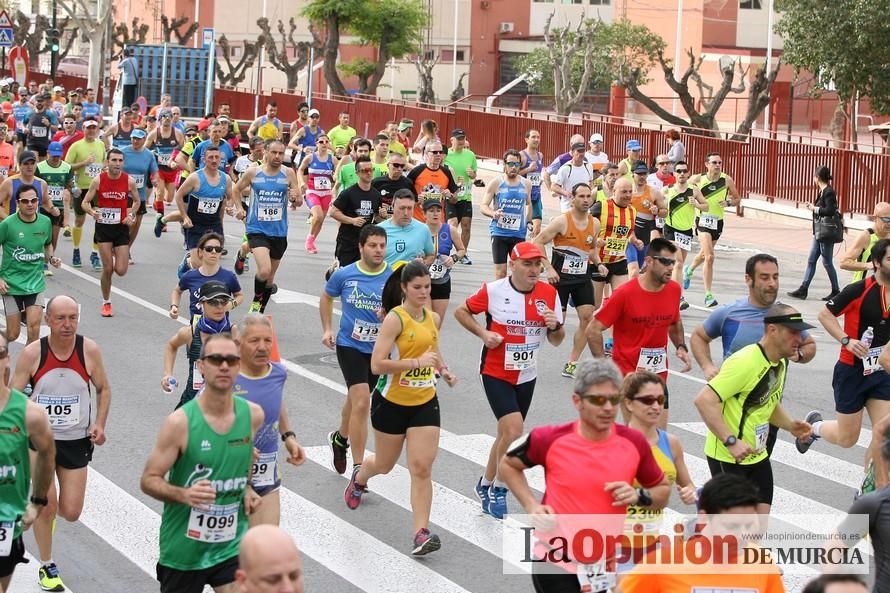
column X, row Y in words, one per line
column 730, row 441
column 288, row 434
column 39, row 501
column 845, row 340
column 644, row 499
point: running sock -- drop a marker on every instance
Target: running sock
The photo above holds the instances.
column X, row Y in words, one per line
column 817, row 428
column 95, row 246
column 259, row 290
column 499, row 484
column 106, row 301
column 485, row 483
column 76, row 235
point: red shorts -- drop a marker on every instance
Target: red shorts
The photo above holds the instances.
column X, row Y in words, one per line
column 168, row 176
column 315, row 200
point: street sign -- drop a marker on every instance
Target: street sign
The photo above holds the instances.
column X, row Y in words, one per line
column 18, row 64
column 6, row 35
column 207, row 37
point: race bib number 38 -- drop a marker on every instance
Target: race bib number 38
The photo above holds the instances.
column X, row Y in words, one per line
column 7, row 531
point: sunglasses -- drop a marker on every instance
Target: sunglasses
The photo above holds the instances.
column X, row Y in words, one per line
column 304, row 111
column 217, row 359
column 599, row 399
column 397, row 165
column 322, row 142
column 219, row 301
column 314, row 117
column 435, row 151
column 681, row 170
column 665, row 261
column 885, row 219
column 166, row 116
column 212, row 248
column 716, row 162
column 512, row 163
column 27, row 200
column 648, row 400
column 365, row 169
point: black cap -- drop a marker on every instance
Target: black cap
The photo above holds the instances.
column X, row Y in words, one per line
column 213, row 289
column 27, row 155
column 578, row 146
column 427, row 204
column 640, row 167
column 458, row 132
column 791, row 320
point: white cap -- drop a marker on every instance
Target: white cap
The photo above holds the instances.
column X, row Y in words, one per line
column 57, row 89
column 313, row 112
column 596, row 138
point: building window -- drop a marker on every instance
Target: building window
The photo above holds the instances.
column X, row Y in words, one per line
column 750, row 4
column 447, row 55
column 572, row 1
column 429, row 55
column 600, row 2
column 543, row 1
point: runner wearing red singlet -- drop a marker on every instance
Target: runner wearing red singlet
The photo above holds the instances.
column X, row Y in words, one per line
column 521, row 312
column 114, row 190
column 589, row 466
column 643, row 313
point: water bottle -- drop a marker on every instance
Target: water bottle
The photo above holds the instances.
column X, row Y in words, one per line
column 172, row 383
column 867, row 336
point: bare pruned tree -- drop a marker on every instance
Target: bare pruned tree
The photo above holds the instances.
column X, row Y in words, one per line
column 124, row 35
column 235, row 72
column 277, row 51
column 564, row 46
column 92, row 21
column 172, row 28
column 425, row 61
column 32, row 34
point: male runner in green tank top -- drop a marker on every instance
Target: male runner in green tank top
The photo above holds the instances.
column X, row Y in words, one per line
column 20, row 420
column 207, row 448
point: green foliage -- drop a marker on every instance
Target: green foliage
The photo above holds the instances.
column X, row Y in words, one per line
column 619, row 49
column 841, row 45
column 359, row 67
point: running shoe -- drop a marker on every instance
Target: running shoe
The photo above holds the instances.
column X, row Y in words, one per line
column 466, row 260
column 48, row 578
column 255, row 307
column 569, row 370
column 868, row 482
column 339, row 446
column 159, row 225
column 710, row 301
column 687, row 277
column 106, row 310
column 75, row 258
column 483, row 495
column 425, row 542
column 46, row 270
column 247, row 263
column 683, row 303
column 239, row 264
column 608, row 345
column 130, row 259
column 497, row 506
column 95, row 262
column 66, row 232
column 803, row 445
column 310, row 244
column 354, row 490
column 183, row 266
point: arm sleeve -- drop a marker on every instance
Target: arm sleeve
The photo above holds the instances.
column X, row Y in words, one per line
column 334, row 285
column 713, row 324
column 233, row 284
column 839, row 304
column 532, row 448
column 428, row 247
column 829, row 203
column 478, row 301
column 340, row 203
column 413, row 173
column 553, row 167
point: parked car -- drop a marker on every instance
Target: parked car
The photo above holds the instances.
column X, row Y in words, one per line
column 74, row 66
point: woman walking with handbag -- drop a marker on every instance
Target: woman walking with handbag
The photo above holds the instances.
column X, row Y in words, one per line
column 828, row 229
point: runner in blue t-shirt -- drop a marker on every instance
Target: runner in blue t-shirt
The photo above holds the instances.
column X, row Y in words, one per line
column 141, row 165
column 359, row 286
column 406, row 238
column 740, row 324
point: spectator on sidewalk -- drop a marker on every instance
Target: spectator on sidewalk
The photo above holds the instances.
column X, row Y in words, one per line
column 129, row 76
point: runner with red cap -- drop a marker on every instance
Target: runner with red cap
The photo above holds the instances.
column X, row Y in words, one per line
column 521, row 311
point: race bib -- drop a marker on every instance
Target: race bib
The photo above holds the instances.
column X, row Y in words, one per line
column 268, row 213
column 519, row 357
column 649, row 519
column 63, row 410
column 164, row 159
column 509, row 222
column 659, row 222
column 109, row 215
column 323, row 183
column 38, row 132
column 574, row 265
column 140, row 181
column 7, row 532
column 418, row 378
column 55, row 193
column 94, row 170
column 437, row 270
column 616, row 246
column 708, row 221
column 213, row 523
column 264, row 469
column 433, row 196
column 761, row 434
column 208, row 206
column 683, row 241
column 197, row 377
column 364, row 331
column 535, row 179
column 653, row 360
column 594, row 578
column 870, row 363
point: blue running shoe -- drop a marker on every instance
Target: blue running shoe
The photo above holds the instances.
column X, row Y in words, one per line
column 483, row 495
column 497, row 506
column 687, row 277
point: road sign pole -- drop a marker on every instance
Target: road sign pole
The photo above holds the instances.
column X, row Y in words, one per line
column 54, row 55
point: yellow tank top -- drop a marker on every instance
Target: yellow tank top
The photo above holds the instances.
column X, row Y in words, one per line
column 648, row 521
column 642, row 202
column 415, row 386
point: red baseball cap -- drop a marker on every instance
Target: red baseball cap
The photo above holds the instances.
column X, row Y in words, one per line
column 203, row 125
column 526, row 250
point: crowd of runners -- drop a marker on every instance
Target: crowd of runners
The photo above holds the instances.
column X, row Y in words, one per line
column 620, row 252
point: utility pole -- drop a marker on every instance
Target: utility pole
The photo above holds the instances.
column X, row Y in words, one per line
column 53, row 39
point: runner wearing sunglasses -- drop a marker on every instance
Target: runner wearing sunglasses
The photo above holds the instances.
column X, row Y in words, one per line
column 210, row 247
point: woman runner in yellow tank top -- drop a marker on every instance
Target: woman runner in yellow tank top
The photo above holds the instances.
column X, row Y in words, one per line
column 643, row 403
column 404, row 405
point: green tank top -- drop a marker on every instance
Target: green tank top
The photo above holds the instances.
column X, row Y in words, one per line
column 865, row 255
column 715, row 193
column 681, row 212
column 198, row 538
column 57, row 179
column 15, row 469
column 630, row 169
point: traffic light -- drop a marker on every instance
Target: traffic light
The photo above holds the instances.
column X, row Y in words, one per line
column 52, row 40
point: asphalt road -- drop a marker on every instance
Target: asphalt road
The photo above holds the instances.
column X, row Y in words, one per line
column 114, row 546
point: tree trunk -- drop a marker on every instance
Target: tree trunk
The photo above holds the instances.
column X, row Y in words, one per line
column 331, row 54
column 293, row 78
column 97, row 61
column 371, row 83
column 838, row 123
